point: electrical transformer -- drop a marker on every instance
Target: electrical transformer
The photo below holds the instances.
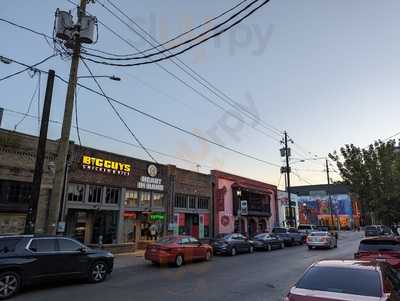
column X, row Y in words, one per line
column 64, row 25
column 88, row 25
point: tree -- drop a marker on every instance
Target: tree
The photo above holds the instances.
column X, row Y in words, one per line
column 374, row 174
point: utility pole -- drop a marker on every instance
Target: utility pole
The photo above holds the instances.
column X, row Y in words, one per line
column 287, row 170
column 40, row 155
column 329, row 191
column 63, row 145
column 1, row 115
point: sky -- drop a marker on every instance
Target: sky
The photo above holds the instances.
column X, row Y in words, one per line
column 325, row 71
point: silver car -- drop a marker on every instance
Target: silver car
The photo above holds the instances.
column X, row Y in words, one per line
column 321, row 239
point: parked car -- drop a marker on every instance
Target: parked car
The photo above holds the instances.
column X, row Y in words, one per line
column 306, row 229
column 321, row 240
column 378, row 230
column 26, row 259
column 268, row 242
column 347, row 280
column 385, row 249
column 232, row 244
column 290, row 236
column 178, row 249
column 331, row 229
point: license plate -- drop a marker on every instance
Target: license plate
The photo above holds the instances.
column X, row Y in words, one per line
column 381, row 259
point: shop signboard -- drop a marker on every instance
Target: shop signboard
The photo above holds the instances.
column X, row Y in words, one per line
column 157, row 216
column 106, row 166
column 150, row 183
column 243, row 207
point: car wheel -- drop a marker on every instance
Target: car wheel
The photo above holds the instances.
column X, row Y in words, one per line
column 282, row 245
column 251, row 249
column 178, row 261
column 10, row 283
column 233, row 251
column 98, row 272
column 268, row 247
column 310, row 248
column 208, row 256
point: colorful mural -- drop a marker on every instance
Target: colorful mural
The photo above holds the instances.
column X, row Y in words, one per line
column 315, row 209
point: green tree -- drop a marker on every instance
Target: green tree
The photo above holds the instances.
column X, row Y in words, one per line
column 374, row 174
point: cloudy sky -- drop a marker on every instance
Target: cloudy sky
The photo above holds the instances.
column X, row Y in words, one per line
column 325, row 71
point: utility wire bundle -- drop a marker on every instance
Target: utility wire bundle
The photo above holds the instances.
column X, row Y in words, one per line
column 148, row 56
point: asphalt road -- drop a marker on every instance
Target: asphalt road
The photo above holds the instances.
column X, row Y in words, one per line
column 263, row 276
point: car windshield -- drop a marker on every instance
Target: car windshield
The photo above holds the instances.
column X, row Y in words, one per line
column 279, row 230
column 223, row 236
column 341, row 280
column 261, row 236
column 319, row 234
column 379, row 245
column 304, row 227
column 371, row 228
column 167, row 240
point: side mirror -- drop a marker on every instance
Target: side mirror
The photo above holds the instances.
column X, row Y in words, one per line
column 83, row 250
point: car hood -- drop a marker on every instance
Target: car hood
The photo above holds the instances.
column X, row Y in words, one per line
column 299, row 294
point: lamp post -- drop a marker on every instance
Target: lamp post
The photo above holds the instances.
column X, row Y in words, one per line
column 112, row 77
column 239, row 210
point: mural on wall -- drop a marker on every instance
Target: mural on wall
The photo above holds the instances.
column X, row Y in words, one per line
column 315, row 209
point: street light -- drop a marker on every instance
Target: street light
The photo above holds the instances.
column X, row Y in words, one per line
column 113, row 77
column 239, row 211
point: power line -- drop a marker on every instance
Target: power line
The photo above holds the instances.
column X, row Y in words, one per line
column 208, row 99
column 32, row 67
column 187, row 41
column 176, row 37
column 117, row 113
column 184, row 50
column 95, row 133
column 225, row 98
column 76, row 118
column 28, row 109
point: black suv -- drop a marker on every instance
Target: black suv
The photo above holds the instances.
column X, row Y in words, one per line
column 26, row 259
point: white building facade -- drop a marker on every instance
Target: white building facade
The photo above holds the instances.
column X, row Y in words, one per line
column 283, row 208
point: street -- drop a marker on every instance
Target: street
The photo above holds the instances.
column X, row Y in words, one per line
column 258, row 276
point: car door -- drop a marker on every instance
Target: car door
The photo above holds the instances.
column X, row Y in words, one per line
column 46, row 261
column 243, row 243
column 74, row 256
column 187, row 247
column 275, row 242
column 199, row 252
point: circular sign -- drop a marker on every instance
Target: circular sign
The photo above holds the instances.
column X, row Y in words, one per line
column 225, row 220
column 152, row 170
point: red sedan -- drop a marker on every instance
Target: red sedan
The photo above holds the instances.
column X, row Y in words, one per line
column 347, row 280
column 384, row 249
column 178, row 250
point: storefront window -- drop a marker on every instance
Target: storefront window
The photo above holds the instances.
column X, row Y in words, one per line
column 132, row 198
column 15, row 192
column 95, row 193
column 157, row 200
column 203, row 202
column 145, row 198
column 180, row 201
column 76, row 193
column 192, row 202
column 112, row 195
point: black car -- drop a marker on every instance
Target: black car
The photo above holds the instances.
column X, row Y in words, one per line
column 268, row 242
column 232, row 244
column 27, row 259
column 290, row 236
column 373, row 230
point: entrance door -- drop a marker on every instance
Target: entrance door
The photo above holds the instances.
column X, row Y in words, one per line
column 195, row 225
column 251, row 227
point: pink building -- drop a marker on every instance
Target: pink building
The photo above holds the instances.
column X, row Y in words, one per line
column 229, row 191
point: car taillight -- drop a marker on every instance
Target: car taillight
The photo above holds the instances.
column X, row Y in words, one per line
column 286, row 298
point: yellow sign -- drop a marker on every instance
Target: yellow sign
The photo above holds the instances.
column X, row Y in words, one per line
column 106, row 166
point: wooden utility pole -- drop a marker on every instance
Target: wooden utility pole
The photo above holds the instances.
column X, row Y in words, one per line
column 40, row 156
column 63, row 146
column 287, row 154
column 329, row 191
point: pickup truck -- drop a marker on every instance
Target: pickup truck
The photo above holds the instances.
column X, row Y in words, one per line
column 290, row 236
